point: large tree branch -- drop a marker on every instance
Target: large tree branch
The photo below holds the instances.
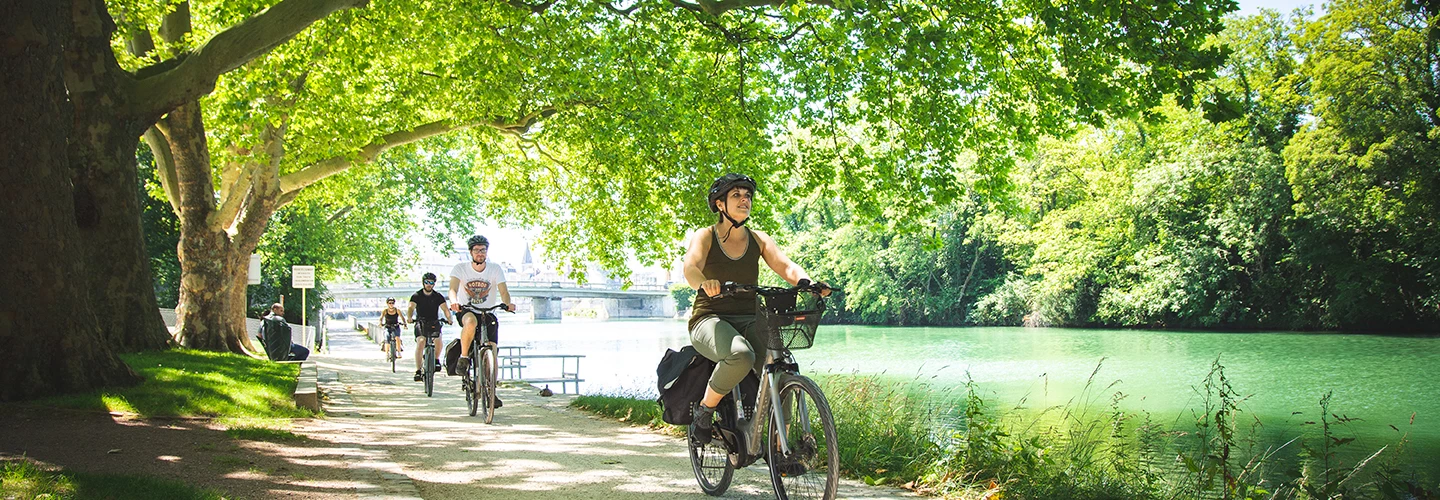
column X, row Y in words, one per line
column 195, row 75
column 315, row 172
column 264, row 196
column 164, row 166
column 236, row 183
column 717, row 7
column 330, row 166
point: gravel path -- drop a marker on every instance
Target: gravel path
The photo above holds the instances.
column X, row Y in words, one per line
column 429, row 447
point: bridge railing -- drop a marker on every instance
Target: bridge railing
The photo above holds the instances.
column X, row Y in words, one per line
column 514, row 284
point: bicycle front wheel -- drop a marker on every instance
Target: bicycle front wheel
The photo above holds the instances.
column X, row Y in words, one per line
column 487, row 372
column 472, row 387
column 811, row 468
column 392, row 355
column 429, row 370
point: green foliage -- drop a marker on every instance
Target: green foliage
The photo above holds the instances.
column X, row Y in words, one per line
column 684, row 295
column 189, row 383
column 1363, row 176
column 894, row 274
column 640, row 109
column 162, row 231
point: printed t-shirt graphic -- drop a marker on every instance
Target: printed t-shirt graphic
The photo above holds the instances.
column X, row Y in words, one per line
column 477, row 288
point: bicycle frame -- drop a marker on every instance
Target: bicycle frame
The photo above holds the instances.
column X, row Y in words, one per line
column 777, row 362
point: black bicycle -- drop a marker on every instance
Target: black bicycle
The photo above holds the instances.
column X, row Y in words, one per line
column 799, row 441
column 480, row 381
column 392, row 334
column 428, row 331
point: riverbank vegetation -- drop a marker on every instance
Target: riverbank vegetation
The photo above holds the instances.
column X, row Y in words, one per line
column 1300, row 193
column 956, row 444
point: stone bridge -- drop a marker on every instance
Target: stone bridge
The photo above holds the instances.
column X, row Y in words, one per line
column 546, row 298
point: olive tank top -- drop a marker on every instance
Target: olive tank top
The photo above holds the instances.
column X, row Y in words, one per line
column 718, row 266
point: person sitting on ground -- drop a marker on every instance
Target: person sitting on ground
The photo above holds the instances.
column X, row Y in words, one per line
column 723, row 328
column 471, row 283
column 275, row 334
column 424, row 312
column 390, row 316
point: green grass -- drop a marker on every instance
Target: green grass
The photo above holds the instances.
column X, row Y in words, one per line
column 22, row 479
column 186, row 383
column 625, row 408
column 258, row 433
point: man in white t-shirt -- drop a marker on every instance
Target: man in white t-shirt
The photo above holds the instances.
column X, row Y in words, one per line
column 480, row 285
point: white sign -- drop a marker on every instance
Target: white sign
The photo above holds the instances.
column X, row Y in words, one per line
column 254, row 270
column 302, row 276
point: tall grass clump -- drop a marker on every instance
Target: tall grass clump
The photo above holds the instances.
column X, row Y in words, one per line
column 883, row 428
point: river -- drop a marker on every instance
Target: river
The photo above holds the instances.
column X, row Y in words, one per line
column 1382, row 380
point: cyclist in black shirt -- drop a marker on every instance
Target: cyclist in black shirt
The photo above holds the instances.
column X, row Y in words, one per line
column 424, row 309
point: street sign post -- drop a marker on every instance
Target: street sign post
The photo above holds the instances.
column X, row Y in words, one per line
column 303, row 279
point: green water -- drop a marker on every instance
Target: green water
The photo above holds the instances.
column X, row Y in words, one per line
column 1383, row 380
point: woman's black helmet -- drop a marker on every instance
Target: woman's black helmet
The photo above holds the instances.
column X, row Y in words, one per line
column 725, row 183
column 476, row 240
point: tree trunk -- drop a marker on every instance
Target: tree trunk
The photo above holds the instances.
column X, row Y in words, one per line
column 47, row 331
column 213, row 263
column 120, row 284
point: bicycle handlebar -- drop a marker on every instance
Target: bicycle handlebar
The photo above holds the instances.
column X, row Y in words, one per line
column 729, row 287
column 472, row 308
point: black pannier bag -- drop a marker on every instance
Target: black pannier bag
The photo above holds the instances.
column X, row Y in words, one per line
column 682, row 377
column 452, row 357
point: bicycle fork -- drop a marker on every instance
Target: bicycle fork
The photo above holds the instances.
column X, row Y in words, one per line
column 768, row 400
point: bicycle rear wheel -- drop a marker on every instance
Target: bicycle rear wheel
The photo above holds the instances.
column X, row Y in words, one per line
column 487, row 374
column 812, row 468
column 429, row 368
column 711, row 461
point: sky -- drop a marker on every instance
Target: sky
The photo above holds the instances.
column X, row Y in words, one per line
column 1252, row 7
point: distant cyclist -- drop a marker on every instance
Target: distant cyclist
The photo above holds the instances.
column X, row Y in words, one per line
column 475, row 283
column 390, row 317
column 723, row 329
column 424, row 312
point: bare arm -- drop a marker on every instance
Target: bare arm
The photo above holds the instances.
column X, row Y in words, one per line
column 505, row 297
column 410, row 311
column 695, row 259
column 454, row 293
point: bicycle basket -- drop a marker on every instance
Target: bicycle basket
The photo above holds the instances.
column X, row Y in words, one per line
column 789, row 320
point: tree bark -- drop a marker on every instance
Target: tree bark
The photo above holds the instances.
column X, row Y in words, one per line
column 44, row 317
column 107, row 208
column 209, row 259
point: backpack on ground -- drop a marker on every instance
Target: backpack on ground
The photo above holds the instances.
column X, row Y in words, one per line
column 452, row 357
column 682, row 377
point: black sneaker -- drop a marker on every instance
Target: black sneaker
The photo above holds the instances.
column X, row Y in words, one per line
column 498, row 402
column 419, row 376
column 464, row 365
column 702, row 424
